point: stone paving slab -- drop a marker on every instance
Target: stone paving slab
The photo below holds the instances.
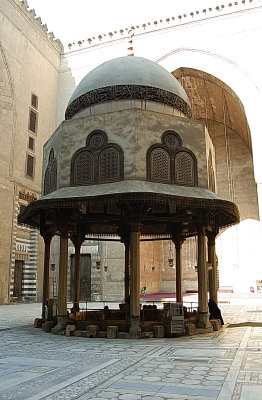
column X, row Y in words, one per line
column 224, row 365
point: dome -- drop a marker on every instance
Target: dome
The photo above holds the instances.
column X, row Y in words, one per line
column 128, row 78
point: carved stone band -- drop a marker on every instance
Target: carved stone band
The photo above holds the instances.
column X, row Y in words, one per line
column 126, row 92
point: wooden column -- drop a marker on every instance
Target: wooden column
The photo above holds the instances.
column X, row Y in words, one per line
column 62, row 282
column 125, row 239
column 135, row 329
column 127, row 271
column 178, row 244
column 47, row 240
column 203, row 319
column 77, row 238
column 213, row 271
column 77, row 278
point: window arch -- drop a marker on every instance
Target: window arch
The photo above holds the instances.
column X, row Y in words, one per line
column 47, row 181
column 184, row 169
column 51, row 156
column 98, row 162
column 169, row 161
column 83, row 168
column 50, row 179
column 109, row 165
column 53, row 176
column 159, row 165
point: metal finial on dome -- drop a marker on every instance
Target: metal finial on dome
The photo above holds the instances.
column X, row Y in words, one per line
column 131, row 33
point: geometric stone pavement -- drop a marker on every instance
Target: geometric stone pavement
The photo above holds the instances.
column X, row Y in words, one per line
column 221, row 365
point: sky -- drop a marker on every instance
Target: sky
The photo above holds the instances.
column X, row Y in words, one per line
column 72, row 20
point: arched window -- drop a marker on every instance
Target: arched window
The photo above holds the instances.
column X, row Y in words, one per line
column 47, row 181
column 184, row 169
column 50, row 180
column 170, row 162
column 51, row 156
column 109, row 165
column 97, row 162
column 83, row 168
column 159, row 165
column 53, row 176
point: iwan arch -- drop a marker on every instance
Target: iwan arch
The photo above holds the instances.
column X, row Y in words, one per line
column 212, row 84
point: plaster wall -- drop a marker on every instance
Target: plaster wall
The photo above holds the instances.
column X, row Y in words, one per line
column 21, row 41
column 134, row 131
column 150, row 266
column 6, row 187
column 234, row 170
column 29, row 63
column 71, row 136
column 188, row 261
column 112, row 257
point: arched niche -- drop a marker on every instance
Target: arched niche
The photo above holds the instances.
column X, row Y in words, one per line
column 215, row 103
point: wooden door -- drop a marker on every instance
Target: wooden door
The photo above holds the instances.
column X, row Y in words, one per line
column 18, row 277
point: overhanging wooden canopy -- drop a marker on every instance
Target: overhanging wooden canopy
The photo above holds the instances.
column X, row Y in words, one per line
column 106, row 209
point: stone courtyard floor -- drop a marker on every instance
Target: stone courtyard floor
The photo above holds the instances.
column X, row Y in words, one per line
column 221, row 365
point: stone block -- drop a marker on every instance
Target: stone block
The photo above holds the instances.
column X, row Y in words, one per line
column 147, row 335
column 78, row 333
column 159, row 331
column 69, row 329
column 91, row 331
column 204, row 330
column 111, row 332
column 38, row 322
column 48, row 325
column 216, row 323
column 123, row 335
column 101, row 334
column 190, row 329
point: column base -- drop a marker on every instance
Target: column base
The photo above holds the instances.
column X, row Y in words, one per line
column 135, row 329
column 203, row 321
column 61, row 323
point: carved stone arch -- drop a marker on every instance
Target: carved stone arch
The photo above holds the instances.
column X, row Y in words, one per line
column 171, row 140
column 96, row 139
column 98, row 162
column 83, row 168
column 50, row 179
column 158, row 164
column 168, row 161
column 51, row 156
column 53, row 178
column 110, row 164
column 47, row 181
column 185, row 168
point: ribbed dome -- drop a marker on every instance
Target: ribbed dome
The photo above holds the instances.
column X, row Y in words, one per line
column 139, row 75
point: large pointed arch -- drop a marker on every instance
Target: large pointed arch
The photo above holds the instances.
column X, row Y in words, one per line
column 215, row 103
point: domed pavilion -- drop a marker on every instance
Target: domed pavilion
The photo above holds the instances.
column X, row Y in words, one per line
column 129, row 162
